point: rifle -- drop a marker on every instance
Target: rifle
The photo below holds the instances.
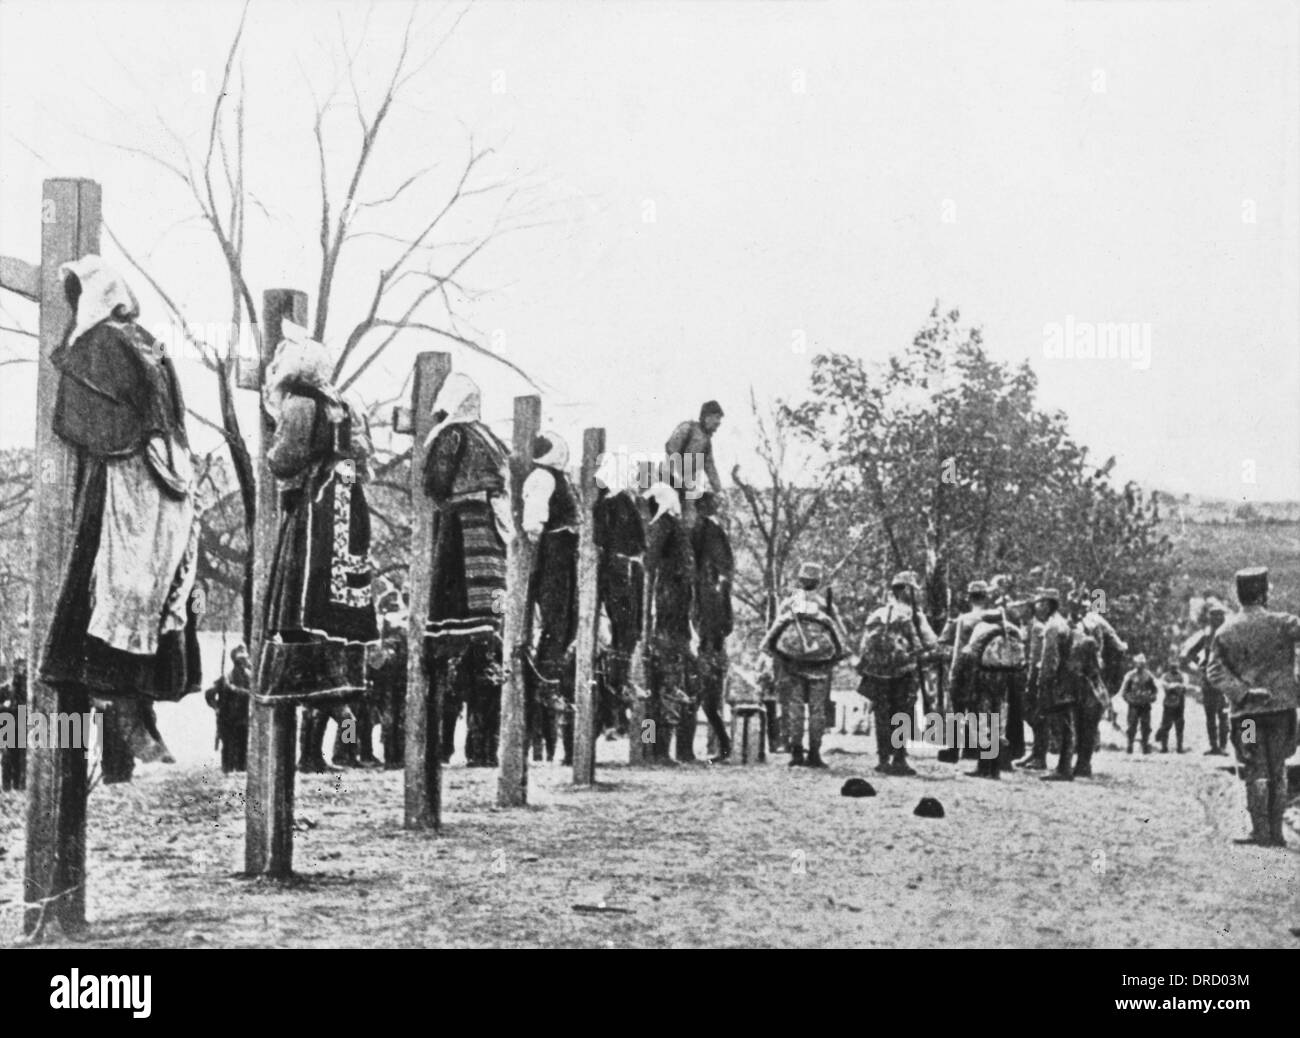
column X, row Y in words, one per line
column 920, row 645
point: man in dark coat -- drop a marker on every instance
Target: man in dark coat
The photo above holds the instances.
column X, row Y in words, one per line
column 670, row 666
column 550, row 519
column 1253, row 662
column 1195, row 652
column 618, row 530
column 714, row 567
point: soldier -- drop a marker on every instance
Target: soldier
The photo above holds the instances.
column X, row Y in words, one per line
column 962, row 695
column 671, row 570
column 896, row 638
column 1056, row 693
column 1038, row 719
column 229, row 699
column 618, row 531
column 992, row 661
column 1252, row 661
column 389, row 677
column 551, row 518
column 1171, row 709
column 805, row 642
column 690, row 449
column 1139, row 690
column 1195, row 652
column 714, row 566
column 13, row 759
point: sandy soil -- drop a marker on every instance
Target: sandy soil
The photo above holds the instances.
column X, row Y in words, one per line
column 699, row 855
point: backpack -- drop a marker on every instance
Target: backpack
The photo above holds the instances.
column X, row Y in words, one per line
column 1001, row 646
column 887, row 650
column 807, row 639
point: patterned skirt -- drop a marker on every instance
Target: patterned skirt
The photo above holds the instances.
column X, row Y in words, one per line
column 320, row 610
column 468, row 583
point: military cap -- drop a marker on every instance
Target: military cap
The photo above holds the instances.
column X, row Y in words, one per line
column 1252, row 583
column 810, row 571
column 905, row 578
column 977, row 587
column 1047, row 594
column 1217, row 607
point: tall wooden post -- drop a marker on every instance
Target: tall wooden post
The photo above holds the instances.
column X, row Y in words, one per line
column 55, row 882
column 268, row 805
column 512, row 780
column 423, row 696
column 640, row 753
column 584, row 720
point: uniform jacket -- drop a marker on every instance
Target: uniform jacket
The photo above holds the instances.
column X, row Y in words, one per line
column 1255, row 649
column 1140, row 689
column 690, row 438
column 1053, row 688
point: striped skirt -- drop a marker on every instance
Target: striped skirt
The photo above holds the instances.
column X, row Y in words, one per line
column 468, row 586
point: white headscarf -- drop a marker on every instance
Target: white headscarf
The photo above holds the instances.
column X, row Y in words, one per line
column 558, row 456
column 104, row 294
column 301, row 359
column 665, row 497
column 461, row 399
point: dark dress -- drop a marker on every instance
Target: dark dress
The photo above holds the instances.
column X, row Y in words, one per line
column 465, row 474
column 117, row 392
column 320, row 610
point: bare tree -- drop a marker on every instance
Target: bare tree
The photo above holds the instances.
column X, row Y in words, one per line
column 412, row 289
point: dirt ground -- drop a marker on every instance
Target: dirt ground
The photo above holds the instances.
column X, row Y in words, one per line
column 718, row 856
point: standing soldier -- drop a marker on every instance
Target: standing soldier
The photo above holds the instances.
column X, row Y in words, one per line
column 805, row 643
column 896, row 639
column 1037, row 718
column 1140, row 689
column 229, row 699
column 690, row 449
column 671, row 571
column 1171, row 709
column 1252, row 661
column 962, row 695
column 1196, row 653
column 994, row 658
column 467, row 480
column 1056, row 692
column 714, row 566
column 618, row 531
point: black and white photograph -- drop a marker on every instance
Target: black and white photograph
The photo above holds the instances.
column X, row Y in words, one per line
column 652, row 475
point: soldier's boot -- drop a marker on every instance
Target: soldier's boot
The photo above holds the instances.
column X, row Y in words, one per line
column 900, row 765
column 796, row 757
column 1130, row 744
column 1276, row 809
column 686, row 738
column 1257, row 806
column 814, row 753
column 663, row 746
column 884, row 752
column 311, row 743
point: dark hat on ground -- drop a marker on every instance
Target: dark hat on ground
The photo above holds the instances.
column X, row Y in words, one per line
column 1252, row 583
column 856, row 787
column 929, row 808
column 711, row 407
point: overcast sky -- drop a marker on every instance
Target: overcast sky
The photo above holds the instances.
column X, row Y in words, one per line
column 723, row 182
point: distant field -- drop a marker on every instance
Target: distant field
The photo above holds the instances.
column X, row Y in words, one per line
column 1210, row 553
